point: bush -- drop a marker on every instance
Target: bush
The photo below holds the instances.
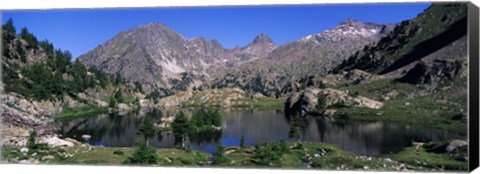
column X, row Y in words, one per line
column 242, row 142
column 118, row 152
column 281, row 147
column 143, row 155
column 266, row 156
column 342, row 115
column 321, row 102
column 31, row 142
column 219, row 156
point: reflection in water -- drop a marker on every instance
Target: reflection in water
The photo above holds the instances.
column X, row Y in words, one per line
column 259, row 126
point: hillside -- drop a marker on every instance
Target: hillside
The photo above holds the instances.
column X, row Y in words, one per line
column 41, row 84
column 435, row 28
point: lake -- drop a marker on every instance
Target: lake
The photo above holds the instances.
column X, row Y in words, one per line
column 259, row 126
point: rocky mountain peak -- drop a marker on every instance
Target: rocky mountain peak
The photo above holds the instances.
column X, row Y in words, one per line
column 262, row 39
column 216, row 44
column 350, row 29
column 351, row 22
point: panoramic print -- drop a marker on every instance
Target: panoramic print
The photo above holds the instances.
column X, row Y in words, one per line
column 379, row 87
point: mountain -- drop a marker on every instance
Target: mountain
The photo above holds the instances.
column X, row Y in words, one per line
column 260, row 47
column 310, row 55
column 412, row 40
column 165, row 61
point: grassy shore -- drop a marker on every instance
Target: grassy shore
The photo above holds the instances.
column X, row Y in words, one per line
column 307, row 156
column 435, row 110
column 89, row 110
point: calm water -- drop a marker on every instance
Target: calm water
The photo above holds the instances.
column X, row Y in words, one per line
column 258, row 126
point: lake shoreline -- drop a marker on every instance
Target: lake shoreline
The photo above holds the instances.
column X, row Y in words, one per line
column 310, row 156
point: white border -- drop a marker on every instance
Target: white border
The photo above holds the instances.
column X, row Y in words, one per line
column 88, row 4
column 57, row 4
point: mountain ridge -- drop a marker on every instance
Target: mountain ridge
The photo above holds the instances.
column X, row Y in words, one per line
column 162, row 59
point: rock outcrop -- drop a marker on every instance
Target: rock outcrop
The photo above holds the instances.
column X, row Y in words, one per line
column 307, row 100
column 435, row 72
column 227, row 97
column 36, row 108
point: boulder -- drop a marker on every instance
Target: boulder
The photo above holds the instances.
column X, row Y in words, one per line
column 86, row 137
column 122, row 107
column 75, row 142
column 48, row 157
column 258, row 95
column 455, row 144
column 360, row 77
column 389, row 95
column 145, row 103
column 57, row 142
column 24, row 150
column 101, row 103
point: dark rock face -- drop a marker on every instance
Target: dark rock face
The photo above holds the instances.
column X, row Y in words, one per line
column 437, row 71
column 411, row 40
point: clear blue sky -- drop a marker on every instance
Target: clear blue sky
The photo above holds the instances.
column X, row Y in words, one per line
column 82, row 30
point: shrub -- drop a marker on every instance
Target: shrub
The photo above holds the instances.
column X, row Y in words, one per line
column 342, row 115
column 219, row 156
column 31, row 142
column 147, row 130
column 242, row 142
column 143, row 155
column 118, row 152
column 266, row 156
column 321, row 102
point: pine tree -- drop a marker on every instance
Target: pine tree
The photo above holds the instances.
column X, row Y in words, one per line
column 296, row 127
column 219, row 155
column 31, row 142
column 147, row 130
column 242, row 142
column 181, row 127
column 30, row 38
column 9, row 30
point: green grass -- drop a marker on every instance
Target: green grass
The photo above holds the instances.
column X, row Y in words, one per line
column 427, row 110
column 334, row 158
column 89, row 110
column 420, row 111
column 375, row 89
column 423, row 159
column 126, row 100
